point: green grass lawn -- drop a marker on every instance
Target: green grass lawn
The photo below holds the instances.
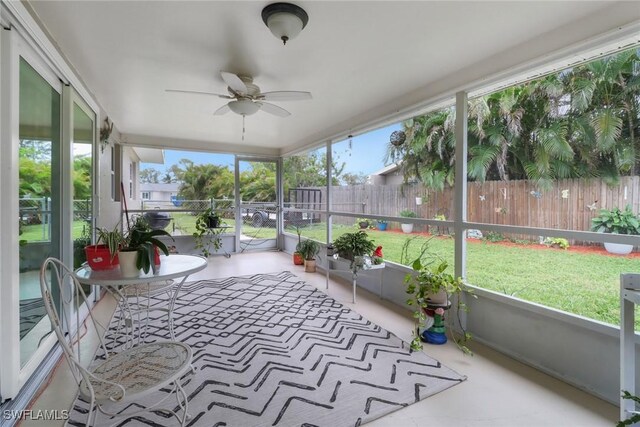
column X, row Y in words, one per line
column 581, row 283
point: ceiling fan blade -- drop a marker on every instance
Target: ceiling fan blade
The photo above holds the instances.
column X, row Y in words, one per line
column 273, row 109
column 195, row 92
column 285, row 95
column 222, row 110
column 234, row 82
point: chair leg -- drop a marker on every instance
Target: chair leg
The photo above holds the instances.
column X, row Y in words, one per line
column 185, row 408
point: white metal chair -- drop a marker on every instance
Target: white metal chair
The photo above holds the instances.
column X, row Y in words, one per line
column 114, row 378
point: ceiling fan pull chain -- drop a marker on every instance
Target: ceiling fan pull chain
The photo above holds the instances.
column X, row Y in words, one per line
column 243, row 116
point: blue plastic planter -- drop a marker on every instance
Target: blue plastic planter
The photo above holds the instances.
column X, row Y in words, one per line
column 382, row 226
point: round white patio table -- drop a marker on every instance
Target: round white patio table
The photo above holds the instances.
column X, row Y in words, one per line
column 171, row 267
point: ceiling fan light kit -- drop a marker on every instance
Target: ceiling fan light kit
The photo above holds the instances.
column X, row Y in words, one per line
column 285, row 20
column 244, row 107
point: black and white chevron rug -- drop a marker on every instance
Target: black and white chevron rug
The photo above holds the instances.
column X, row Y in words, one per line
column 270, row 350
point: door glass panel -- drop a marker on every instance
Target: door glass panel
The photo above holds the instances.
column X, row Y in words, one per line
column 83, row 132
column 258, row 204
column 39, row 200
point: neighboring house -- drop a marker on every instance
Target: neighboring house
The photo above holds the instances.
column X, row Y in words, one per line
column 388, row 175
column 157, row 195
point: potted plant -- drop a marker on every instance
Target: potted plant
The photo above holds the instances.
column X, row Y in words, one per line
column 79, row 247
column 104, row 254
column 205, row 236
column 138, row 250
column 298, row 259
column 431, row 289
column 382, row 224
column 309, row 249
column 407, row 228
column 352, row 245
column 363, row 223
column 617, row 221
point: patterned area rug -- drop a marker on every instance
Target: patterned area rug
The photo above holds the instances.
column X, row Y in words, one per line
column 270, row 350
column 31, row 312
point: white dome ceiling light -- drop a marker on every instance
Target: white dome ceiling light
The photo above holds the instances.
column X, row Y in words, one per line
column 285, row 20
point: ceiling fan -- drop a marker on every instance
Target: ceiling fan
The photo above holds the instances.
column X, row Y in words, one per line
column 246, row 98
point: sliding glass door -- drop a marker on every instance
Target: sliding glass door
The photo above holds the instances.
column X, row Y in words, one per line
column 39, row 207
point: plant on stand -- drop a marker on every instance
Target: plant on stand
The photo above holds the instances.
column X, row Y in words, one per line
column 352, row 246
column 309, row 249
column 206, row 237
column 431, row 289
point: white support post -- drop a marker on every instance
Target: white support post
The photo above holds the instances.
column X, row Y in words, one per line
column 629, row 296
column 461, row 185
column 329, row 205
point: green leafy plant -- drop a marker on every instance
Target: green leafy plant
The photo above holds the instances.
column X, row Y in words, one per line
column 113, row 239
column 557, row 242
column 493, row 237
column 408, row 214
column 309, row 249
column 352, row 245
column 205, row 236
column 616, row 221
column 142, row 239
column 79, row 254
column 431, row 278
column 633, row 419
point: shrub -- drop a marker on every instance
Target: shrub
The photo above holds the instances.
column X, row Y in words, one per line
column 557, row 242
column 616, row 221
column 408, row 214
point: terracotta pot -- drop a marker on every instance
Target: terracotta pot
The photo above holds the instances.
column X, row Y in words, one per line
column 99, row 258
column 297, row 259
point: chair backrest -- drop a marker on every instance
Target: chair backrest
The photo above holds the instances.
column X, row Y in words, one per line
column 63, row 298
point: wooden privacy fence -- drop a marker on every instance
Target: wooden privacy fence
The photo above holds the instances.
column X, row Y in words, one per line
column 568, row 205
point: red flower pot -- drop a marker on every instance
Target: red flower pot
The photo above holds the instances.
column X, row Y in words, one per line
column 99, row 257
column 297, row 259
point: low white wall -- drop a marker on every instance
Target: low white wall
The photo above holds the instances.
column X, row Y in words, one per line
column 582, row 352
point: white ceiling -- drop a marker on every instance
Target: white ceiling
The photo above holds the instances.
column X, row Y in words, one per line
column 361, row 60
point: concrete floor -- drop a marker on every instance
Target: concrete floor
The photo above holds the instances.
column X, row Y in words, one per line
column 499, row 391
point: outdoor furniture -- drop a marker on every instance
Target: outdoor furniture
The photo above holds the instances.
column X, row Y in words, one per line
column 113, row 379
column 355, row 267
column 144, row 286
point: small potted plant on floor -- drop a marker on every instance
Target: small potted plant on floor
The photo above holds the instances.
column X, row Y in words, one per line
column 298, row 259
column 407, row 228
column 309, row 249
column 382, row 224
column 617, row 221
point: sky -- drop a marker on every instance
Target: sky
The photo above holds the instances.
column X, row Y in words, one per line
column 365, row 156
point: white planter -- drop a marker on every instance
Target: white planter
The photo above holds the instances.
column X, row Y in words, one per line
column 618, row 248
column 128, row 263
column 418, row 201
column 407, row 228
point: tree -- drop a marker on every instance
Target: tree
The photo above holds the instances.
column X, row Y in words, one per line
column 582, row 122
column 149, row 175
column 355, row 178
column 202, row 182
